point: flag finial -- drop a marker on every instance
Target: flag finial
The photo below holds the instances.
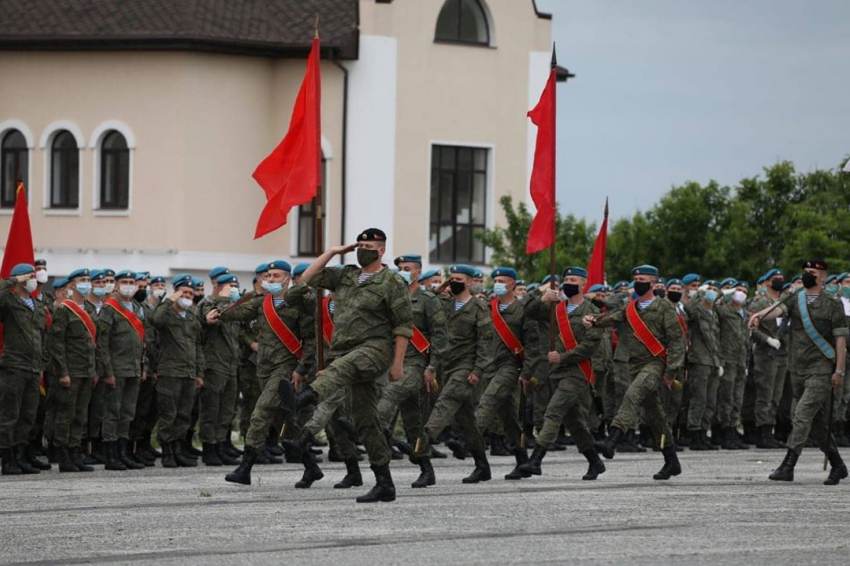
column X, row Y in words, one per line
column 554, row 57
column 606, row 207
column 316, row 27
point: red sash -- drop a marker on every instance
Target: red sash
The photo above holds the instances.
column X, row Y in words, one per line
column 48, row 317
column 644, row 334
column 327, row 321
column 505, row 333
column 419, row 341
column 569, row 340
column 83, row 316
column 130, row 316
column 284, row 334
column 682, row 323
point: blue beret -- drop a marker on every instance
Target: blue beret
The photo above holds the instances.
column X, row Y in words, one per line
column 742, row 283
column 595, row 288
column 796, row 278
column 580, row 271
column 60, row 283
column 829, row 279
column 300, row 268
column 280, row 264
column 841, row 277
column 772, row 273
column 428, row 274
column 785, row 286
column 197, row 282
column 728, row 281
column 478, row 273
column 108, row 272
column 227, row 278
column 645, row 270
column 620, row 284
column 533, row 286
column 662, row 280
column 158, row 279
column 40, row 263
column 143, row 274
column 463, row 270
column 503, row 272
column 125, row 274
column 521, row 282
column 217, row 272
column 262, row 268
column 82, row 272
column 182, row 280
column 408, row 258
column 22, row 269
column 760, row 280
column 710, row 283
column 674, row 281
column 548, row 277
column 97, row 274
column 691, row 278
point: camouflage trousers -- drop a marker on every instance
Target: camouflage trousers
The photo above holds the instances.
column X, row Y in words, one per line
column 701, row 395
column 811, row 393
column 644, row 393
column 842, row 403
column 175, row 397
column 72, row 409
column 267, row 410
column 407, row 396
column 249, row 393
column 146, row 411
column 540, row 396
column 730, row 395
column 217, row 404
column 354, row 373
column 570, row 404
column 456, row 404
column 97, row 409
column 119, row 408
column 769, row 382
column 498, row 405
column 19, row 399
column 615, row 389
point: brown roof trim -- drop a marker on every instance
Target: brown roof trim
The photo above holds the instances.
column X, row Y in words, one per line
column 541, row 15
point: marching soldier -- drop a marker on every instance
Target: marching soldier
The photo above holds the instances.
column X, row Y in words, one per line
column 733, row 351
column 704, row 369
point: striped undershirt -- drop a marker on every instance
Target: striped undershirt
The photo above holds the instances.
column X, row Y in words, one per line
column 278, row 302
column 503, row 307
column 331, row 307
column 458, row 305
column 571, row 308
column 810, row 298
column 29, row 302
column 363, row 277
column 644, row 304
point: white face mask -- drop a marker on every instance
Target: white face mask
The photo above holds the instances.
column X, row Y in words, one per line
column 110, row 288
column 31, row 285
column 739, row 297
column 692, row 292
column 264, row 284
column 159, row 293
column 41, row 276
column 128, row 290
column 435, row 286
column 184, row 303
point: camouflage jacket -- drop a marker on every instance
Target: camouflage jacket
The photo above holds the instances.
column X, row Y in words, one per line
column 181, row 346
column 72, row 351
column 776, row 328
column 120, row 351
column 734, row 335
column 470, row 332
column 25, row 331
column 430, row 318
column 704, row 334
column 527, row 331
column 587, row 339
column 221, row 338
column 827, row 315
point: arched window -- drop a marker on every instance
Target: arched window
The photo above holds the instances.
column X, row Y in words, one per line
column 114, row 172
column 463, row 21
column 64, row 171
column 307, row 245
column 14, row 164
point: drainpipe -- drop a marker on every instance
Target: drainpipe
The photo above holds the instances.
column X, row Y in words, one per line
column 342, row 241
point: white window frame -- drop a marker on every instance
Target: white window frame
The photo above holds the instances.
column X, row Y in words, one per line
column 5, row 127
column 45, row 143
column 95, row 142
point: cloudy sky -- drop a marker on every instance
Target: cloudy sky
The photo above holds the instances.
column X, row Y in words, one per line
column 669, row 91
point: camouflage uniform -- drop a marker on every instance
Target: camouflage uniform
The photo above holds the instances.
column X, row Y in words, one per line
column 703, row 362
column 145, row 418
column 97, row 402
column 734, row 337
column 621, row 374
column 221, row 356
column 249, row 385
column 768, row 364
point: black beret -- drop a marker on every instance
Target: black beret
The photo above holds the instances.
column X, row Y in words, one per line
column 372, row 235
column 815, row 264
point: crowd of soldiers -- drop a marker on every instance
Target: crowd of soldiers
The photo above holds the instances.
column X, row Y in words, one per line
column 110, row 368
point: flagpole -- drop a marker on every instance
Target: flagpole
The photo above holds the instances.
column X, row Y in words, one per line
column 552, row 284
column 320, row 227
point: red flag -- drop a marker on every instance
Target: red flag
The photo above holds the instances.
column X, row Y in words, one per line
column 596, row 266
column 291, row 174
column 542, row 232
column 19, row 243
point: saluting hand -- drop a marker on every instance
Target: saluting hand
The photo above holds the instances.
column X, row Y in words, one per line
column 175, row 295
column 338, row 250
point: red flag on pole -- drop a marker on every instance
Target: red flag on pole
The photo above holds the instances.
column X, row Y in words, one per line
column 596, row 266
column 19, row 243
column 542, row 232
column 290, row 174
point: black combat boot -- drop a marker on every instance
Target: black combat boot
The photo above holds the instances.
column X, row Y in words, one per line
column 426, row 475
column 837, row 470
column 168, row 460
column 647, row 439
column 148, row 448
column 384, row 489
column 716, row 437
column 210, row 456
column 697, row 442
column 79, row 460
column 671, row 465
column 231, row 450
column 312, row 472
column 135, row 450
column 437, row 454
column 521, row 455
column 20, row 459
column 226, row 457
column 785, row 471
column 608, row 447
column 291, row 451
column 113, row 463
column 727, row 442
column 482, row 468
column 737, row 439
column 96, row 455
column 10, row 466
column 498, row 446
column 189, row 449
column 708, row 442
column 595, row 465
column 63, row 458
column 26, row 453
column 750, row 436
column 181, row 456
column 242, row 474
column 352, row 477
column 293, row 402
column 124, row 455
column 532, row 466
column 765, row 438
column 403, row 447
column 458, row 448
column 268, row 457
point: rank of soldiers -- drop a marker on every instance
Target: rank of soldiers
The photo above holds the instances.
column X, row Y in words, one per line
column 114, row 369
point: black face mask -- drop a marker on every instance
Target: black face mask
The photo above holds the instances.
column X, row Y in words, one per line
column 197, row 299
column 366, row 256
column 660, row 293
column 809, row 280
column 141, row 295
column 598, row 303
column 457, row 287
column 570, row 289
column 642, row 287
column 674, row 296
column 776, row 284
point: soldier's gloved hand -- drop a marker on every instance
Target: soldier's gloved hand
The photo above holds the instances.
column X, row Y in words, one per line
column 720, row 371
column 774, row 343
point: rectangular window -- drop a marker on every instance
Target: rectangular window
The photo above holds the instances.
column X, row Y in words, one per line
column 307, row 245
column 458, row 203
column 13, row 162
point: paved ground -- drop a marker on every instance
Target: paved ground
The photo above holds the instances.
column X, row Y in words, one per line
column 722, row 510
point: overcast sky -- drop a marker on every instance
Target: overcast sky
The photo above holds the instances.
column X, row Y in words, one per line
column 669, row 91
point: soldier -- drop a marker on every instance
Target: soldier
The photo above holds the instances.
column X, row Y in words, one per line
column 622, row 374
column 514, row 357
column 373, row 322
column 421, row 366
column 543, row 391
column 690, row 285
column 733, row 352
column 141, row 429
column 431, row 280
column 571, row 371
column 73, row 336
column 770, row 358
column 467, row 357
column 22, row 366
column 249, row 385
column 602, row 366
column 298, row 272
column 819, row 343
column 521, row 289
column 704, row 369
column 655, row 347
column 120, row 352
column 180, row 369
